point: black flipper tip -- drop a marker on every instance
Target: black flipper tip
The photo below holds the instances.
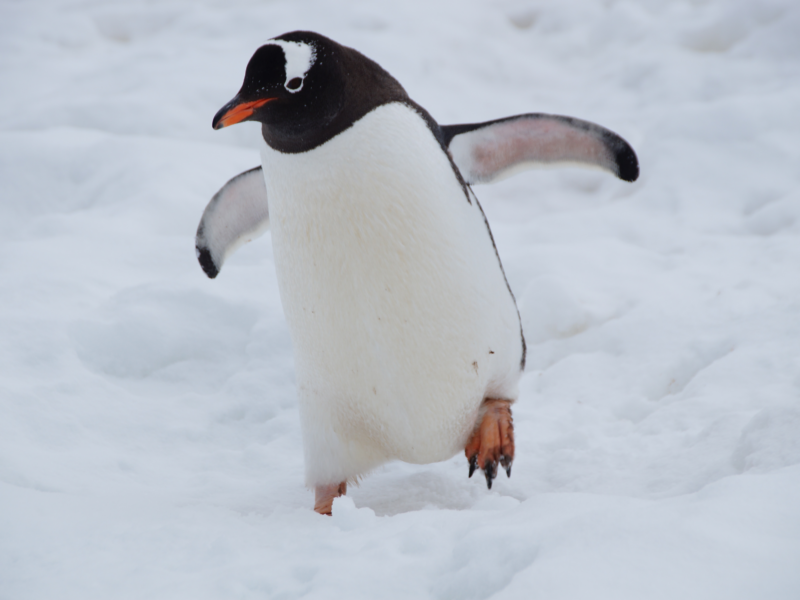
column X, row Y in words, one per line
column 206, row 262
column 627, row 163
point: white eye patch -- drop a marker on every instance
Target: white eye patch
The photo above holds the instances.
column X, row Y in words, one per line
column 299, row 59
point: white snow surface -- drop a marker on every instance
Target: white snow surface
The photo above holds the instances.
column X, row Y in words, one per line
column 149, row 435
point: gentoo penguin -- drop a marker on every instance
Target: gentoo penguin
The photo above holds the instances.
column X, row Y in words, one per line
column 407, row 339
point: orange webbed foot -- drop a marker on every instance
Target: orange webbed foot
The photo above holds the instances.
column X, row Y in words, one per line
column 492, row 441
column 324, row 495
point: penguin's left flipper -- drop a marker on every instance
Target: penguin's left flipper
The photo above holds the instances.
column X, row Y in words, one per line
column 238, row 213
column 486, row 152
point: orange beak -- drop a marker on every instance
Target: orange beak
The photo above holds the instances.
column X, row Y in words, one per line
column 237, row 113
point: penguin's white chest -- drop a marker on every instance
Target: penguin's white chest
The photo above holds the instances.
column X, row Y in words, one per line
column 398, row 308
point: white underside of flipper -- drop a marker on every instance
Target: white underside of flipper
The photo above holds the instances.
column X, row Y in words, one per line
column 486, row 152
column 237, row 214
column 400, row 315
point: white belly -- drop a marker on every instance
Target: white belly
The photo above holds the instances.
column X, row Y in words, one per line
column 401, row 319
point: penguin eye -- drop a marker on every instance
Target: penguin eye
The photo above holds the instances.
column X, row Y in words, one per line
column 294, row 84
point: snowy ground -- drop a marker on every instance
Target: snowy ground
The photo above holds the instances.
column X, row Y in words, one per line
column 149, row 438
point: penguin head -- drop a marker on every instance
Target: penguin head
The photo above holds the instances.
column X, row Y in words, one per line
column 288, row 85
column 305, row 88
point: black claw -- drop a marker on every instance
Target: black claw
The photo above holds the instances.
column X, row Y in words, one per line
column 490, row 470
column 473, row 464
column 506, row 462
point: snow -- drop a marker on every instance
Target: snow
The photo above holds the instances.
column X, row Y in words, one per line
column 149, row 439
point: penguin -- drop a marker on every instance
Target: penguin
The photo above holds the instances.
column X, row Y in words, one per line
column 406, row 336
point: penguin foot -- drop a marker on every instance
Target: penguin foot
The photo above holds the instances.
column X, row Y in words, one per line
column 492, row 441
column 324, row 495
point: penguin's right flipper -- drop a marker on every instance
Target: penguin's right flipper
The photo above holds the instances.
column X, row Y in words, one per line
column 486, row 152
column 237, row 214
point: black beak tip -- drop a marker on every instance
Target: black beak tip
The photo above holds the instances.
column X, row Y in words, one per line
column 215, row 124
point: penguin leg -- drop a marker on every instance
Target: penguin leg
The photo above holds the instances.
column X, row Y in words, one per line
column 492, row 441
column 324, row 495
